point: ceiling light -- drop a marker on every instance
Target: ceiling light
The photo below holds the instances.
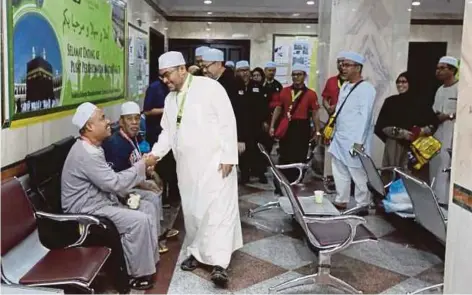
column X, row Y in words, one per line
column 209, row 13
column 310, row 2
column 209, row 23
column 208, row 29
column 207, row 2
column 416, row 3
column 296, row 14
column 308, row 27
column 409, row 9
column 165, row 29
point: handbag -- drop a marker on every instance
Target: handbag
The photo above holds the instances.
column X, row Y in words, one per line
column 423, row 149
column 328, row 131
column 284, row 122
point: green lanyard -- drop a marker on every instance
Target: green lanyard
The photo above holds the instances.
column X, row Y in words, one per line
column 181, row 106
column 294, row 97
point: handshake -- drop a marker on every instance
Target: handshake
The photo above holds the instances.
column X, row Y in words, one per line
column 150, row 161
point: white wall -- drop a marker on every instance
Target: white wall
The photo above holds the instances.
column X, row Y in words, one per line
column 18, row 142
column 450, row 34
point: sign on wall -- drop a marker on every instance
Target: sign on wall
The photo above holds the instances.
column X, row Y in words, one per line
column 63, row 53
column 138, row 71
column 289, row 50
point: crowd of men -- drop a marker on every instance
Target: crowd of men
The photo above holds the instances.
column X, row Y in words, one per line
column 201, row 126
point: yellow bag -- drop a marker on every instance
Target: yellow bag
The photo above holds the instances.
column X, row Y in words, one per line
column 424, row 149
column 328, row 130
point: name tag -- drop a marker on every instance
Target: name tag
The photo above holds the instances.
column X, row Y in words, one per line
column 255, row 90
column 452, row 98
column 241, row 92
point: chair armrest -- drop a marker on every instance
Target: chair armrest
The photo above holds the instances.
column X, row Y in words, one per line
column 351, row 220
column 85, row 222
column 299, row 166
column 394, row 173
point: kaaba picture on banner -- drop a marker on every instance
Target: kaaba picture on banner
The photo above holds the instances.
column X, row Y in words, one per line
column 37, row 65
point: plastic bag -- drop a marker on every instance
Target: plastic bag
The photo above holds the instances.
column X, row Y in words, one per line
column 397, row 199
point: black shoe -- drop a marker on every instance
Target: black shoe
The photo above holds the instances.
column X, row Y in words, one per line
column 189, row 264
column 142, row 283
column 263, row 179
column 219, row 276
column 362, row 213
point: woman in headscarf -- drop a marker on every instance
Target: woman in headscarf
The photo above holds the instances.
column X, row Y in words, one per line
column 258, row 75
column 402, row 116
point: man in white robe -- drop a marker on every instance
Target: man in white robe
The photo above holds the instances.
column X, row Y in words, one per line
column 199, row 126
column 90, row 186
column 445, row 105
column 354, row 126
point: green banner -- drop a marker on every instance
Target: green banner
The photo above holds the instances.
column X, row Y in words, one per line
column 63, row 53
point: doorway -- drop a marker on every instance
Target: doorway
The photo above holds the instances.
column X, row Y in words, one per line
column 156, row 48
column 233, row 50
column 423, row 58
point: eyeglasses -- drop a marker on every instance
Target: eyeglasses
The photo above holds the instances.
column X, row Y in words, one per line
column 297, row 74
column 347, row 65
column 440, row 68
column 207, row 66
column 402, row 82
column 167, row 74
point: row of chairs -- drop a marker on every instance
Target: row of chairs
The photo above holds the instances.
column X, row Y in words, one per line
column 56, row 230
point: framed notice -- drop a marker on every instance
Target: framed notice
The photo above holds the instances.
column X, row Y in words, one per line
column 63, row 53
column 138, row 68
column 289, row 50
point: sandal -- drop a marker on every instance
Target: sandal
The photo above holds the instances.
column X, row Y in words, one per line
column 219, row 276
column 142, row 283
column 163, row 248
column 172, row 233
column 189, row 264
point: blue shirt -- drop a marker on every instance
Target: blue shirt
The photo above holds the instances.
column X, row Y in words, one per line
column 155, row 98
column 120, row 154
column 355, row 122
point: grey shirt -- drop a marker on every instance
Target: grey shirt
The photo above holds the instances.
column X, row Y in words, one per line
column 88, row 183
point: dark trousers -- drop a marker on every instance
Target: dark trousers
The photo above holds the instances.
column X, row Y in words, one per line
column 166, row 168
column 294, row 146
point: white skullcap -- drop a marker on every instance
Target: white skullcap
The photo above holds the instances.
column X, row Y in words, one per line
column 83, row 114
column 353, row 56
column 270, row 64
column 201, row 50
column 130, row 108
column 242, row 64
column 171, row 59
column 213, row 54
column 450, row 61
column 341, row 54
column 299, row 67
column 229, row 63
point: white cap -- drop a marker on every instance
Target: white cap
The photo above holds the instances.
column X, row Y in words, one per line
column 171, row 59
column 353, row 56
column 201, row 50
column 83, row 114
column 299, row 67
column 242, row 64
column 341, row 55
column 213, row 54
column 229, row 63
column 270, row 65
column 130, row 108
column 450, row 61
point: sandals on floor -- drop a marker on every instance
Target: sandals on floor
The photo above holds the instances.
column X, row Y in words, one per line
column 219, row 276
column 189, row 264
column 163, row 247
column 142, row 283
column 171, row 233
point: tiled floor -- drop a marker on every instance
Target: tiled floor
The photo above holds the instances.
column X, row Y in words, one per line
column 273, row 252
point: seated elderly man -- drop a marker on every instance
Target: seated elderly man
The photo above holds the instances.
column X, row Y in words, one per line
column 122, row 151
column 90, row 186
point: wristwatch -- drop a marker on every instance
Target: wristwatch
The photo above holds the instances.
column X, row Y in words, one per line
column 395, row 131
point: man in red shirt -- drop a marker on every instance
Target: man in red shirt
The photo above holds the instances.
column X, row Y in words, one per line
column 331, row 91
column 299, row 104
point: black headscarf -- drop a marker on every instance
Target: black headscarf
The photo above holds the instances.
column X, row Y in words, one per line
column 405, row 110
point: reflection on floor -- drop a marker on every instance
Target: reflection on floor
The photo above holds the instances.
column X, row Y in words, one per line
column 402, row 261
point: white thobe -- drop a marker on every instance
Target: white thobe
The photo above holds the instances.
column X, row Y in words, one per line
column 445, row 102
column 205, row 139
column 354, row 124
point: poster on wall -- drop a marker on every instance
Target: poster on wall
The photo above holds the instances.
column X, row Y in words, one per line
column 63, row 53
column 138, row 68
column 289, row 50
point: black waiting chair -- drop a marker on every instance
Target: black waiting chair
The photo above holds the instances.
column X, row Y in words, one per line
column 374, row 179
column 26, row 261
column 428, row 213
column 330, row 235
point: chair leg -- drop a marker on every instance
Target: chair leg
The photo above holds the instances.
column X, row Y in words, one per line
column 342, row 285
column 438, row 286
column 306, row 280
column 265, row 207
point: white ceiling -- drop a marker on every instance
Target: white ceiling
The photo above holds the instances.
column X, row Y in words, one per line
column 286, row 8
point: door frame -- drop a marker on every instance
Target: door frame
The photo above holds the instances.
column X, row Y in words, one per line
column 151, row 62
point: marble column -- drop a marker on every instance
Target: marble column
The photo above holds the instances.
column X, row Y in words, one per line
column 377, row 29
column 457, row 278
